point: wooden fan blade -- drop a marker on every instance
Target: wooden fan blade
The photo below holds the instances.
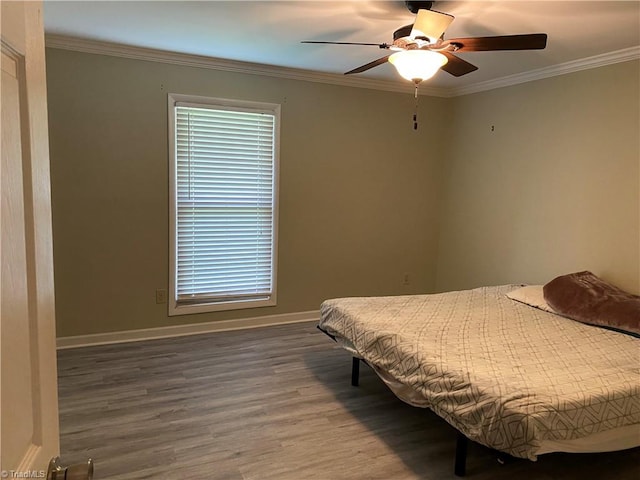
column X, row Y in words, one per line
column 381, row 45
column 369, row 65
column 430, row 24
column 531, row 41
column 457, row 66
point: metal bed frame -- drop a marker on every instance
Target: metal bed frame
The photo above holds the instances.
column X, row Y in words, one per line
column 462, row 442
column 460, row 461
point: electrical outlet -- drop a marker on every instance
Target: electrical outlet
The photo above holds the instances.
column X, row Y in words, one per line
column 161, row 295
column 405, row 279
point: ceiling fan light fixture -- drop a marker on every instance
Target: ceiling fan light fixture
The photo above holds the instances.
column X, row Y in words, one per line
column 417, row 65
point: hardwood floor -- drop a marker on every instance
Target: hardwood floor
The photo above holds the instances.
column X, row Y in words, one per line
column 273, row 403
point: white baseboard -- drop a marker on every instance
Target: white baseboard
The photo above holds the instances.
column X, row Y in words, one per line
column 182, row 330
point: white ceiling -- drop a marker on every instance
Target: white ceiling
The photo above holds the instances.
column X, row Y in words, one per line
column 269, row 32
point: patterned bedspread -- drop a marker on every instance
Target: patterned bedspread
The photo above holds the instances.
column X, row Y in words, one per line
column 505, row 374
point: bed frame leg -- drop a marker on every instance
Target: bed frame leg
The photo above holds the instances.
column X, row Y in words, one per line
column 355, row 371
column 460, row 466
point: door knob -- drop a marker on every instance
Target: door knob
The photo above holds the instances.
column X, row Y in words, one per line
column 77, row 471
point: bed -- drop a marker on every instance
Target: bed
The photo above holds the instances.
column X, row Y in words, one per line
column 519, row 379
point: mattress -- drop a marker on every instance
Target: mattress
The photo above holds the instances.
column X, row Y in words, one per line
column 508, row 376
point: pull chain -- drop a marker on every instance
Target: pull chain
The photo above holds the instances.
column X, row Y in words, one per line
column 415, row 110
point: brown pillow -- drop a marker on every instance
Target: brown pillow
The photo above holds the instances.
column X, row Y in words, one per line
column 584, row 297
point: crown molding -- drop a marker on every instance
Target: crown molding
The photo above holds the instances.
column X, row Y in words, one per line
column 64, row 42
column 618, row 56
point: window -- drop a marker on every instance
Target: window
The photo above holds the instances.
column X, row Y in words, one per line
column 224, row 158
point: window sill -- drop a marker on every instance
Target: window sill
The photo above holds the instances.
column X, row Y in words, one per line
column 175, row 310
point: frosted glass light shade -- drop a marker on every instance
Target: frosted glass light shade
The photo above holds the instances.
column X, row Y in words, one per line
column 417, row 65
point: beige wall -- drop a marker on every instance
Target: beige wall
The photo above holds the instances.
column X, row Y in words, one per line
column 553, row 188
column 358, row 189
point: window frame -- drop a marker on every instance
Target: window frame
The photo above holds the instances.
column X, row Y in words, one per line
column 231, row 104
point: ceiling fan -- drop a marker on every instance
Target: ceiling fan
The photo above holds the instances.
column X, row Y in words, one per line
column 421, row 49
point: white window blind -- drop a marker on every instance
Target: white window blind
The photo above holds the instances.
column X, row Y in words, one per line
column 225, row 216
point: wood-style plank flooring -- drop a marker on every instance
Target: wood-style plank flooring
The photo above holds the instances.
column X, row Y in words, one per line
column 272, row 403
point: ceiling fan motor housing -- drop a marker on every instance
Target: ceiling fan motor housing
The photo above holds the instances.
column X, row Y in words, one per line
column 415, row 6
